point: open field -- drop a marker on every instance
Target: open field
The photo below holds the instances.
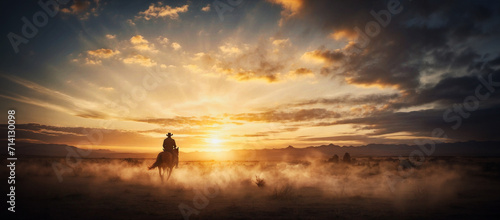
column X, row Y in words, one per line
column 371, row 188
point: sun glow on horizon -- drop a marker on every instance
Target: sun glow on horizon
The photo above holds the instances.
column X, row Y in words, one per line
column 214, row 144
column 215, row 141
column 233, row 85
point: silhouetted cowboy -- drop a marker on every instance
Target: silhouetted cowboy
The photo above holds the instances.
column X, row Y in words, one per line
column 170, row 146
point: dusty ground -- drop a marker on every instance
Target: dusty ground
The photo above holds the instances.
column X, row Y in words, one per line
column 442, row 188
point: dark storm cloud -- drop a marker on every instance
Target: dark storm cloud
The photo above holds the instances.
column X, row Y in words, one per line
column 452, row 90
column 431, row 51
column 449, row 94
column 417, row 122
column 480, row 125
column 495, row 62
column 424, row 36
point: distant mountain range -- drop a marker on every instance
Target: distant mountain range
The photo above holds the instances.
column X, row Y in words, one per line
column 470, row 148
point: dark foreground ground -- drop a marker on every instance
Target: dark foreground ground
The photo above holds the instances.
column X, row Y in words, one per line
column 370, row 188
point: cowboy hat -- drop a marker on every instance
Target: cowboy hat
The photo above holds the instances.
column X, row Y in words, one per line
column 169, row 134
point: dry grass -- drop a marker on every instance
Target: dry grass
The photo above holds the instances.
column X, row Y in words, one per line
column 374, row 189
column 283, row 192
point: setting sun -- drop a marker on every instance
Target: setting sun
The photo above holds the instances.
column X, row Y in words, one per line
column 215, row 141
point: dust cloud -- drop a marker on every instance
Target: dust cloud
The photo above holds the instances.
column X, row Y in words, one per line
column 366, row 177
column 374, row 185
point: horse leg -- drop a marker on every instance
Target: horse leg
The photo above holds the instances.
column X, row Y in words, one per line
column 161, row 175
column 169, row 172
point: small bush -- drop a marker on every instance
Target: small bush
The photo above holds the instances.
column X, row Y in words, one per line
column 260, row 182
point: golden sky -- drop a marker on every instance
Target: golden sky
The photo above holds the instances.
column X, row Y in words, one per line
column 264, row 74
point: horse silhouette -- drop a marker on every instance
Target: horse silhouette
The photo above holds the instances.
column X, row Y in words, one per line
column 165, row 161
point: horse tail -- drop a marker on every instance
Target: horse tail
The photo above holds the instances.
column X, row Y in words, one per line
column 157, row 162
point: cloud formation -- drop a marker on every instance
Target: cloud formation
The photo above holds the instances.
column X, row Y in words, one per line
column 268, row 60
column 85, row 137
column 206, row 8
column 139, row 59
column 103, row 53
column 83, row 9
column 302, row 115
column 54, row 99
column 176, row 46
column 140, row 43
column 138, row 39
column 424, row 51
column 290, row 8
column 356, row 69
column 158, row 10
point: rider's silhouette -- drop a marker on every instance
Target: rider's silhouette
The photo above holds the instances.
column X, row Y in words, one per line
column 170, row 146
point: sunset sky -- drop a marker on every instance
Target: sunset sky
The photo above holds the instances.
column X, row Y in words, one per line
column 246, row 74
